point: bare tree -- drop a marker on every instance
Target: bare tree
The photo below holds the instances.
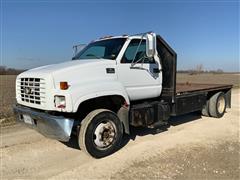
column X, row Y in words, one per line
column 2, row 70
column 9, row 71
column 199, row 68
column 219, row 71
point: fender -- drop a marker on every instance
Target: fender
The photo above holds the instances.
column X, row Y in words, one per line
column 97, row 89
column 106, row 89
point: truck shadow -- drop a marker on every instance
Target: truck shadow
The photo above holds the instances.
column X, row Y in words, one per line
column 141, row 131
column 73, row 142
column 173, row 121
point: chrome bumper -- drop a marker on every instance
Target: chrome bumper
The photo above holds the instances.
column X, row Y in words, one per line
column 55, row 127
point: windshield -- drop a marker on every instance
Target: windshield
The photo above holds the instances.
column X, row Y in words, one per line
column 105, row 49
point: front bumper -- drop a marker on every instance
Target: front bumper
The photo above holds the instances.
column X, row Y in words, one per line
column 55, row 127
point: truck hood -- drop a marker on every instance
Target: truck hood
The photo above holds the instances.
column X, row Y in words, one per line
column 82, row 77
column 66, row 66
column 74, row 72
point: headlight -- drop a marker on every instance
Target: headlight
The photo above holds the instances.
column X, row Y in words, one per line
column 60, row 102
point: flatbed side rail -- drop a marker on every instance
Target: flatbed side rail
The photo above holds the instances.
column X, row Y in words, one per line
column 183, row 88
column 192, row 98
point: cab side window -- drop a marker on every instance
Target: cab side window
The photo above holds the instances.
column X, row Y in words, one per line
column 131, row 51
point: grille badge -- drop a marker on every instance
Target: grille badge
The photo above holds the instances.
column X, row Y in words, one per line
column 28, row 90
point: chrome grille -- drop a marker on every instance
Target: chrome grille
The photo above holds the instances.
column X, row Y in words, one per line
column 31, row 90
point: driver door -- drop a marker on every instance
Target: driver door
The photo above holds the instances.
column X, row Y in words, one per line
column 141, row 77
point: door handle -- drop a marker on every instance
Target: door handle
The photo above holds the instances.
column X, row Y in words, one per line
column 156, row 70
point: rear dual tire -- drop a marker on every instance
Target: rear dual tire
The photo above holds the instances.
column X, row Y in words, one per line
column 215, row 106
column 205, row 109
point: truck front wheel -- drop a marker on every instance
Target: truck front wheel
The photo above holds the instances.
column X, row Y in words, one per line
column 100, row 133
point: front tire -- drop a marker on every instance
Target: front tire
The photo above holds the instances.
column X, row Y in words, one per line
column 217, row 105
column 101, row 133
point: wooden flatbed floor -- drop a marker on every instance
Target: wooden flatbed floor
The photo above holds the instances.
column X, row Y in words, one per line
column 182, row 88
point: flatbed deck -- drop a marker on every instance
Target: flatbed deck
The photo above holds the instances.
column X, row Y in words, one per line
column 182, row 88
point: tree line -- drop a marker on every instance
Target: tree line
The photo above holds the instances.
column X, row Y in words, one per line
column 200, row 69
column 10, row 71
column 197, row 70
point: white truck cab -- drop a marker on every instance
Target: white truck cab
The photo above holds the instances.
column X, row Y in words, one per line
column 112, row 83
column 110, row 66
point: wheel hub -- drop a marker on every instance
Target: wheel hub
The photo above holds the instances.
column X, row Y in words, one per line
column 221, row 104
column 104, row 134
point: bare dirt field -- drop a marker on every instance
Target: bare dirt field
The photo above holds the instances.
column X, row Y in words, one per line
column 210, row 78
column 7, row 98
column 193, row 147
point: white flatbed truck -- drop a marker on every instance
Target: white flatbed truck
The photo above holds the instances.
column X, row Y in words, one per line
column 111, row 84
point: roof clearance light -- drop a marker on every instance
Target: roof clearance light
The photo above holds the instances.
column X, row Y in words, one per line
column 105, row 37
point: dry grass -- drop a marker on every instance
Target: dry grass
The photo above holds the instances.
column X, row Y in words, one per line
column 209, row 78
column 7, row 97
column 7, row 89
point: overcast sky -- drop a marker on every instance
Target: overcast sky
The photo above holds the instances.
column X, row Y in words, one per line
column 35, row 33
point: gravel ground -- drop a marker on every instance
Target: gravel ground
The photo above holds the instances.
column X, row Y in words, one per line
column 193, row 147
column 214, row 161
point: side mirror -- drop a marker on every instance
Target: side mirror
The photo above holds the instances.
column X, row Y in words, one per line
column 150, row 44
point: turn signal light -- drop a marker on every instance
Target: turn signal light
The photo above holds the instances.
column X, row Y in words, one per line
column 64, row 85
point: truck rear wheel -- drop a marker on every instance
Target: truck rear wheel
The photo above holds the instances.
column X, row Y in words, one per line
column 217, row 105
column 205, row 109
column 100, row 133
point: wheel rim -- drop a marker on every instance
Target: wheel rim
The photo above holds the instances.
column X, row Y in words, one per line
column 221, row 105
column 104, row 134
